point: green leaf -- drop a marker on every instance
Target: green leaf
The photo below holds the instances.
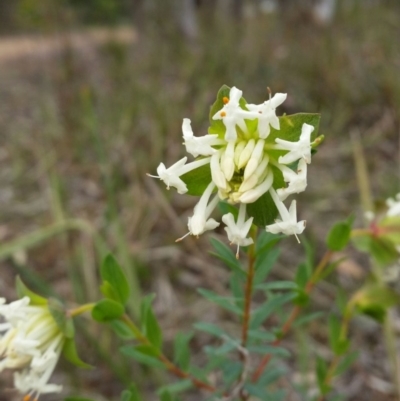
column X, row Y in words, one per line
column 178, row 387
column 307, row 318
column 140, row 355
column 150, row 324
column 346, row 362
column 278, row 285
column 322, row 371
column 225, row 302
column 70, row 353
column 374, row 300
column 182, row 351
column 339, row 236
column 63, row 321
column 197, row 180
column 264, row 264
column 391, row 229
column 210, row 329
column 261, row 335
column 224, row 253
column 115, row 285
column 121, row 329
column 263, row 210
column 269, row 307
column 166, row 396
column 106, row 310
column 131, row 394
column 338, row 344
column 269, row 349
column 24, row 291
column 303, row 274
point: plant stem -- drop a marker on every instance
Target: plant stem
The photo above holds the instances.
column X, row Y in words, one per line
column 294, row 314
column 248, row 292
column 81, row 309
column 168, row 364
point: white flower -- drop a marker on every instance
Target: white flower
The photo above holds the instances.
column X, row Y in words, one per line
column 232, row 114
column 297, row 181
column 171, row 175
column 297, row 150
column 200, row 220
column 237, row 232
column 267, row 116
column 253, row 194
column 288, row 225
column 393, row 206
column 32, row 343
column 198, row 145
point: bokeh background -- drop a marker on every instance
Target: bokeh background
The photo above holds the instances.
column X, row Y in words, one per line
column 92, row 96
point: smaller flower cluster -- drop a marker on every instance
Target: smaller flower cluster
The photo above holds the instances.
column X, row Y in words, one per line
column 31, row 343
column 246, row 162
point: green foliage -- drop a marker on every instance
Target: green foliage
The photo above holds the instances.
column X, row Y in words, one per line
column 70, row 353
column 121, row 329
column 224, row 253
column 210, row 328
column 339, row 345
column 64, row 322
column 197, row 180
column 131, row 394
column 115, row 286
column 150, row 326
column 339, row 235
column 272, row 305
column 24, row 291
column 142, row 355
column 106, row 310
column 224, row 302
column 322, row 372
column 181, row 350
column 374, row 300
column 346, row 362
column 177, row 387
column 264, row 263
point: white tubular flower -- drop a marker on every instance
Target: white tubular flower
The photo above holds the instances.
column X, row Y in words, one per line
column 217, row 175
column 254, row 179
column 297, row 181
column 228, row 163
column 393, row 206
column 255, row 159
column 232, row 114
column 171, row 175
column 200, row 220
column 238, row 231
column 267, row 114
column 32, row 343
column 288, row 225
column 198, row 145
column 253, row 194
column 297, row 150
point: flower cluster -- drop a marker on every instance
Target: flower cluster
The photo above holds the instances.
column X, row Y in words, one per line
column 247, row 160
column 31, row 344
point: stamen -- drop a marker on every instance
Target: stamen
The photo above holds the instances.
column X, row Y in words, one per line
column 149, row 175
column 225, row 99
column 177, row 240
column 222, row 114
column 237, row 252
column 297, row 237
column 27, row 397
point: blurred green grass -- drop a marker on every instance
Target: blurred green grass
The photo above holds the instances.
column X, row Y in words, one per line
column 80, row 127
